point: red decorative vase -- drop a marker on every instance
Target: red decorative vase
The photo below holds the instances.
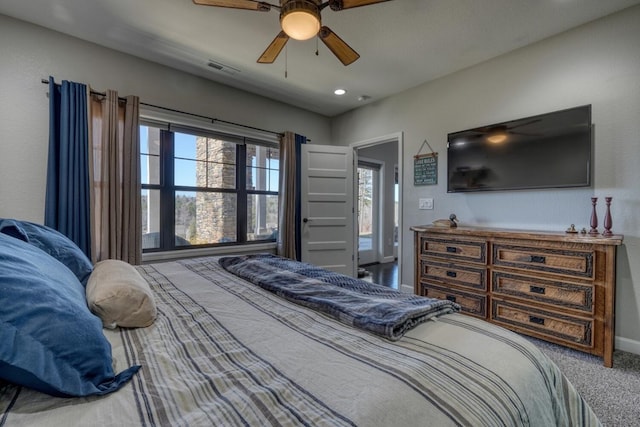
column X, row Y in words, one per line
column 594, row 217
column 607, row 218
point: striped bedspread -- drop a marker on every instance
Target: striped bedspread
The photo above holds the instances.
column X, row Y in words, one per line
column 224, row 352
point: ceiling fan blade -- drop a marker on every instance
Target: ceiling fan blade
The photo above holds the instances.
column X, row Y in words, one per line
column 236, row 4
column 348, row 4
column 273, row 50
column 340, row 49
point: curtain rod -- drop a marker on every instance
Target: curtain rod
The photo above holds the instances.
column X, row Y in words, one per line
column 213, row 120
column 93, row 92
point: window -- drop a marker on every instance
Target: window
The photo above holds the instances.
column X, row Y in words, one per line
column 202, row 188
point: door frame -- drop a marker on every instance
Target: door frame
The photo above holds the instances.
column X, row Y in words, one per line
column 383, row 139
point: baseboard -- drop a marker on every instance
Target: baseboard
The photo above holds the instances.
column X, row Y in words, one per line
column 387, row 259
column 406, row 288
column 625, row 344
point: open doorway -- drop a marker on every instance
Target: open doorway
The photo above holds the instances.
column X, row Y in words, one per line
column 368, row 211
column 379, row 206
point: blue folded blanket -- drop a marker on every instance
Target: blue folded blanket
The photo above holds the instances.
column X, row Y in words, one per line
column 375, row 308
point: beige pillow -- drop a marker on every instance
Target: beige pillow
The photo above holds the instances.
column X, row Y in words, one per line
column 120, row 296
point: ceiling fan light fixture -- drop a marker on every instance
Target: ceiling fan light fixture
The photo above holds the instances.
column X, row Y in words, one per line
column 300, row 19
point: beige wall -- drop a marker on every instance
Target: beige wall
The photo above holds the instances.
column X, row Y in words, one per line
column 597, row 64
column 30, row 53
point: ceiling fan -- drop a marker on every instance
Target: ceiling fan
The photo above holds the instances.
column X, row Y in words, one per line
column 300, row 20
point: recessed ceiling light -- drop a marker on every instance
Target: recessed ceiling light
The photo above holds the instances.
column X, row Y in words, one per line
column 340, row 92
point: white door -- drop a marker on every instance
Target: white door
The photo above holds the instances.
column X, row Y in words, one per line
column 327, row 207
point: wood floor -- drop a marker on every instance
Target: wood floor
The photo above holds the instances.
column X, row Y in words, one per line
column 385, row 274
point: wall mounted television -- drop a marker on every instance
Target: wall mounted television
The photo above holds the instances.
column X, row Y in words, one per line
column 551, row 150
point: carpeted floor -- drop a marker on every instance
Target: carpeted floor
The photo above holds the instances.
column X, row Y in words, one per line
column 612, row 393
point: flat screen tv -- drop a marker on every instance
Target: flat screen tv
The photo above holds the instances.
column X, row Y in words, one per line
column 550, row 150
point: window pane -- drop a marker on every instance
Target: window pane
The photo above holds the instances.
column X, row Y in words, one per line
column 149, row 155
column 205, row 218
column 263, row 165
column 150, row 219
column 262, row 217
column 185, row 172
column 274, row 177
column 204, row 162
column 185, row 218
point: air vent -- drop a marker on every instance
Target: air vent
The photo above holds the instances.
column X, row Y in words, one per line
column 222, row 67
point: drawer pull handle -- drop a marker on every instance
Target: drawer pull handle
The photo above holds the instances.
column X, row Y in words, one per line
column 452, row 249
column 452, row 274
column 537, row 290
column 536, row 320
column 451, row 298
column 537, row 258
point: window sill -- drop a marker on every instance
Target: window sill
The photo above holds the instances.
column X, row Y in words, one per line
column 200, row 252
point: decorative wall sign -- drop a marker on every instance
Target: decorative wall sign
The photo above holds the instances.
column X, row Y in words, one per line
column 425, row 167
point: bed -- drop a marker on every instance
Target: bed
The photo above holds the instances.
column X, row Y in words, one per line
column 224, row 349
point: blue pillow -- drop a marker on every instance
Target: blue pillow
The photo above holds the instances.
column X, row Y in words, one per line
column 49, row 340
column 52, row 242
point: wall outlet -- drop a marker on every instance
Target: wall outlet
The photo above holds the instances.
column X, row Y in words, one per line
column 425, row 203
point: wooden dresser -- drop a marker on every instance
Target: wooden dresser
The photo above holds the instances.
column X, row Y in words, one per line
column 558, row 287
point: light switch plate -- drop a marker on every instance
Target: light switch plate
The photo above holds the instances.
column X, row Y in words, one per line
column 425, row 203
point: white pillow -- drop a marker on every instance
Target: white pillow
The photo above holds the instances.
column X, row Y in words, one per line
column 118, row 295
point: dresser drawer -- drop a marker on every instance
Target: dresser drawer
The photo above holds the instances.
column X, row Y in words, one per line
column 579, row 296
column 454, row 249
column 577, row 263
column 469, row 303
column 458, row 274
column 571, row 329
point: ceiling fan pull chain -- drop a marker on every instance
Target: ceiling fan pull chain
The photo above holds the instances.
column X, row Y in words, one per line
column 317, row 51
column 286, row 62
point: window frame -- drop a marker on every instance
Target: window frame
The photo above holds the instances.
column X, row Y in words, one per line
column 168, row 190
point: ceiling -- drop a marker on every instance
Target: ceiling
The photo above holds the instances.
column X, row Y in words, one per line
column 402, row 43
